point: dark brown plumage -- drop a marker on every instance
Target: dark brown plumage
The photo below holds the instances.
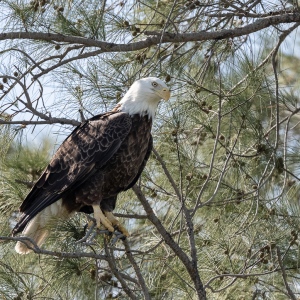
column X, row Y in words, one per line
column 101, row 158
column 78, row 172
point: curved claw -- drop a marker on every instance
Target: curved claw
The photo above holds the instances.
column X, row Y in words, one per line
column 115, row 223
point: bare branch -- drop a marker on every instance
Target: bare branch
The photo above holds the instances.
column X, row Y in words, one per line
column 190, row 267
column 137, row 270
column 284, row 277
column 170, row 178
column 49, row 121
column 157, row 37
column 114, row 270
column 63, row 62
column 38, row 250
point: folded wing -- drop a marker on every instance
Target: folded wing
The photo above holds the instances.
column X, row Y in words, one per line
column 91, row 144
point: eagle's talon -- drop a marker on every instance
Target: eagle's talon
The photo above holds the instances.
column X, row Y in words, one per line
column 120, row 235
column 122, row 230
column 101, row 219
column 116, row 224
column 91, row 224
column 109, row 234
column 88, row 232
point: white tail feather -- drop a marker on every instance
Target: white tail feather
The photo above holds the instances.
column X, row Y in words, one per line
column 37, row 228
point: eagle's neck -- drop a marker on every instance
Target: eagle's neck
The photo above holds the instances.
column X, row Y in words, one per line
column 138, row 103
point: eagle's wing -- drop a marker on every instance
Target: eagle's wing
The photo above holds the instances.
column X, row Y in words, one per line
column 91, row 144
column 108, row 204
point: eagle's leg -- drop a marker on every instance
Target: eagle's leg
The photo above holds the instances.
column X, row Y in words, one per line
column 101, row 219
column 115, row 222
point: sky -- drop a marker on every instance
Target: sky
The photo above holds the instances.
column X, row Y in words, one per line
column 57, row 133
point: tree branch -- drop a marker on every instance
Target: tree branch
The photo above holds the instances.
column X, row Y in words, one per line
column 111, row 262
column 49, row 121
column 284, row 277
column 190, row 267
column 167, row 173
column 33, row 246
column 157, row 37
column 137, row 270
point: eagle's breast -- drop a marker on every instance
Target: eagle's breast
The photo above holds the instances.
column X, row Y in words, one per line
column 122, row 168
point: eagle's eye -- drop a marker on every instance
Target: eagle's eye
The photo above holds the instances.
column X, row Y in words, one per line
column 154, row 84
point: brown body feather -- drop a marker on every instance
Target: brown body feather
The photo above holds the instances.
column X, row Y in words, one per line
column 102, row 157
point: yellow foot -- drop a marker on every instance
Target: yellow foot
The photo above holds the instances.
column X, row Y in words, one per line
column 115, row 223
column 101, row 219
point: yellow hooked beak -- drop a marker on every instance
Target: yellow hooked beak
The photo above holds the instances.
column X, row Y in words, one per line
column 165, row 94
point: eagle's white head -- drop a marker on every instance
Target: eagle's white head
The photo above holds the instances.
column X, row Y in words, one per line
column 143, row 96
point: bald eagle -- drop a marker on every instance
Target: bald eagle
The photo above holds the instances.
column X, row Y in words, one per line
column 102, row 157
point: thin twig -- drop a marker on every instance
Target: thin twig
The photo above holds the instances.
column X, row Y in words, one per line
column 189, row 265
column 33, row 246
column 284, row 276
column 111, row 262
column 137, row 270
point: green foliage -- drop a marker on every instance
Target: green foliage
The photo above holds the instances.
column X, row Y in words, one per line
column 21, row 167
column 226, row 150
